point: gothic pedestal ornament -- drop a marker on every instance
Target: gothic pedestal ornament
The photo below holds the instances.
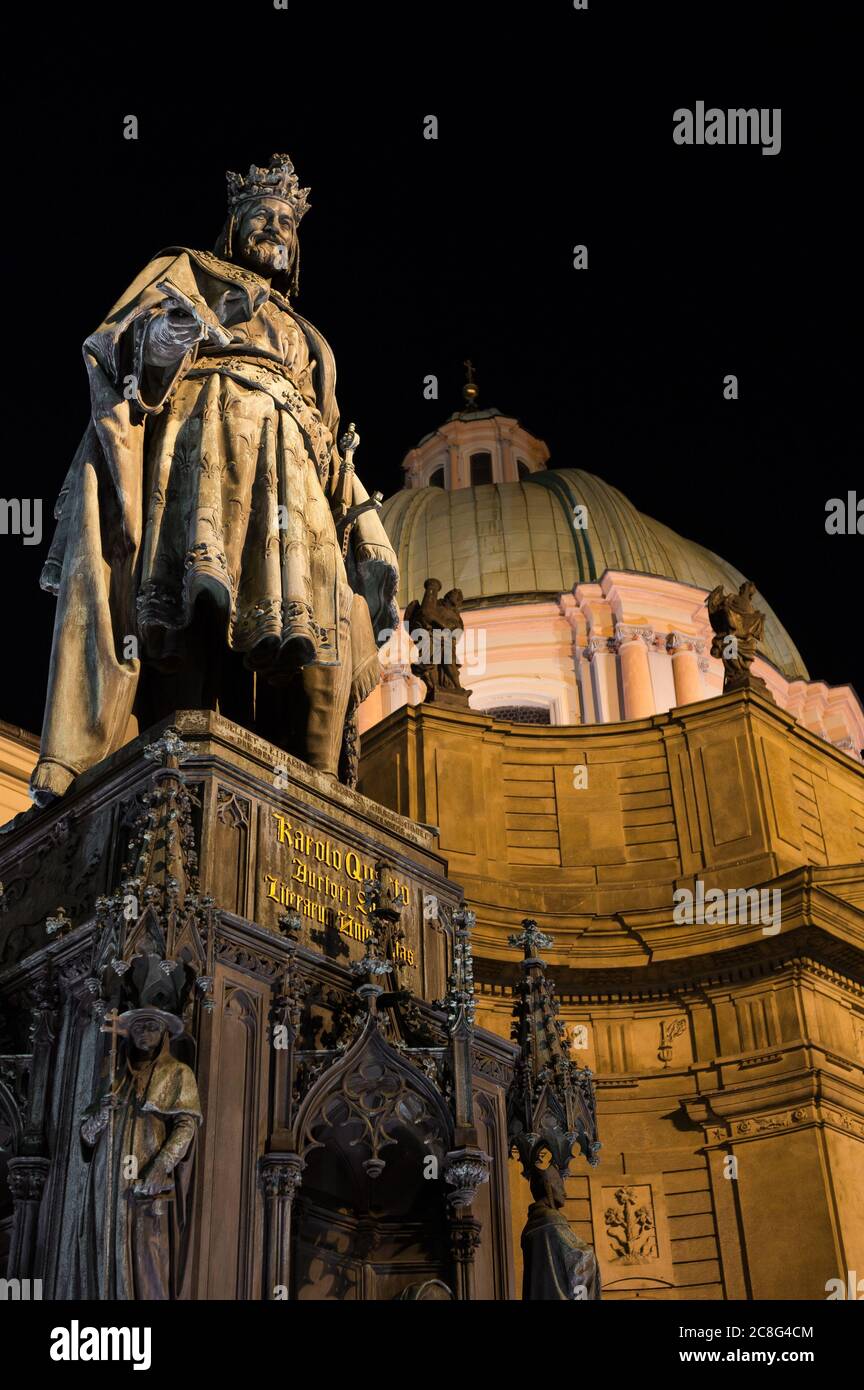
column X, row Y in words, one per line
column 256, row 966
column 551, row 1109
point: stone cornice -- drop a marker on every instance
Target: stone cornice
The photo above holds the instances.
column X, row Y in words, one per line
column 808, row 947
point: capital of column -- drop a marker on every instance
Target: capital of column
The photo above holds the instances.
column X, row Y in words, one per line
column 465, row 1170
column 395, row 671
column 624, row 634
column 684, row 642
column 598, row 644
column 27, row 1177
column 465, row 1237
column 280, row 1174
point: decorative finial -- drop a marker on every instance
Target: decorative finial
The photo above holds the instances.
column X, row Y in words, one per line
column 531, row 939
column 459, row 1001
column 169, row 750
column 470, row 390
column 59, row 924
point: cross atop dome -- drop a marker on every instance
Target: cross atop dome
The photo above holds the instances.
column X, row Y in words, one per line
column 470, row 390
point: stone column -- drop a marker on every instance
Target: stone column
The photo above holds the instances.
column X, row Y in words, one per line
column 812, row 714
column 280, row 1175
column 464, row 1244
column 633, row 644
column 584, row 695
column 685, row 652
column 452, row 472
column 465, row 1169
column 600, row 652
column 26, row 1178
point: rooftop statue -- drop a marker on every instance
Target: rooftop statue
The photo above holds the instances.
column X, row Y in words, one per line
column 738, row 629
column 435, row 626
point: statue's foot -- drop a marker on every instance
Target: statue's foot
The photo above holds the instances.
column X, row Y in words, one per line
column 297, row 651
column 43, row 797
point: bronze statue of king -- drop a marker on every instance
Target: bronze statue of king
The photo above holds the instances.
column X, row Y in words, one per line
column 214, row 548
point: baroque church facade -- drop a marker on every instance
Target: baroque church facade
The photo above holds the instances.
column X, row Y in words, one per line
column 596, row 777
column 601, row 771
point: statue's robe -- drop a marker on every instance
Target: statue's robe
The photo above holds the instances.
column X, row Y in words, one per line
column 160, row 1114
column 176, row 490
column 556, row 1263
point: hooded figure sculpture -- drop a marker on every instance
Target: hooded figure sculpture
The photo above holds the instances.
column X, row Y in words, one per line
column 213, row 548
column 557, row 1264
column 137, row 1141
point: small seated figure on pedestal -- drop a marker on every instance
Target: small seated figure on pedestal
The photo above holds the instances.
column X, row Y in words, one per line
column 557, row 1264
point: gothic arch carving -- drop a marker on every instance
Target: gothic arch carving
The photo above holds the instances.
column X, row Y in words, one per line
column 370, row 1101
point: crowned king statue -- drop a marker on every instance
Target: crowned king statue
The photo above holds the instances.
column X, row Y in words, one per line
column 214, row 548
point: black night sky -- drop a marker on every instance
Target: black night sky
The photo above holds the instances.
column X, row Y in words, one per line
column 555, row 128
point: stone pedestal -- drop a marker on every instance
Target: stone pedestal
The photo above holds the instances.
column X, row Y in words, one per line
column 267, row 838
column 273, row 835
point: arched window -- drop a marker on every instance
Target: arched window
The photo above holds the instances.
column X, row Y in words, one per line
column 436, row 479
column 524, row 470
column 481, row 469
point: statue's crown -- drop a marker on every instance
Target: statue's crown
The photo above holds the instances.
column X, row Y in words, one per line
column 278, row 180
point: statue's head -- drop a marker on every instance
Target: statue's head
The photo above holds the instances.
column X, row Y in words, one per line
column 265, row 237
column 147, row 1028
column 546, row 1183
column 264, row 211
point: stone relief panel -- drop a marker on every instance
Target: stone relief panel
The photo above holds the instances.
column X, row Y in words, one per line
column 631, row 1231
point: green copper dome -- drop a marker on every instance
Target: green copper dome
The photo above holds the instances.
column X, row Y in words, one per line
column 509, row 539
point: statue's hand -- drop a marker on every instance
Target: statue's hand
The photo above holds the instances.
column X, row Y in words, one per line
column 182, row 328
column 96, row 1116
column 93, row 1126
column 170, row 336
column 349, row 441
column 153, row 1181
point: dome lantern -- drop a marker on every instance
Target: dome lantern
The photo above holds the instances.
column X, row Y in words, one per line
column 477, row 446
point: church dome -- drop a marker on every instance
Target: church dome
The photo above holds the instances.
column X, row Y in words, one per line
column 517, row 538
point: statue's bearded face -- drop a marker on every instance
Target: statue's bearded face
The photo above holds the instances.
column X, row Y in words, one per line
column 266, row 236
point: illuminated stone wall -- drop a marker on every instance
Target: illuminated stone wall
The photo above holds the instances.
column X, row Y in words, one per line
column 729, row 1054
